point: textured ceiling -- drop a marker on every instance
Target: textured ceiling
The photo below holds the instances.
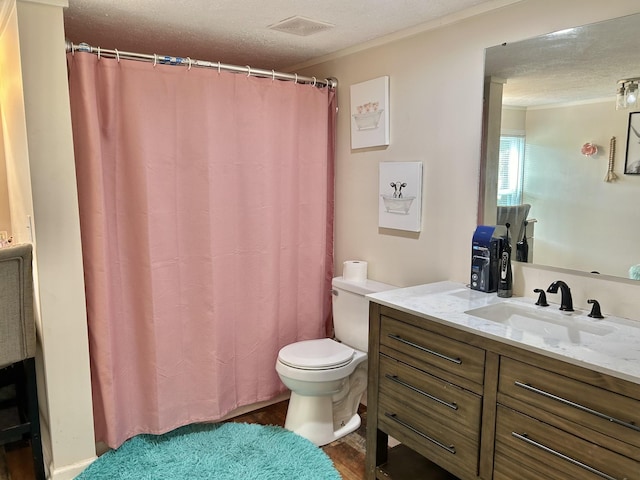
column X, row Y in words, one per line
column 579, row 64
column 236, row 31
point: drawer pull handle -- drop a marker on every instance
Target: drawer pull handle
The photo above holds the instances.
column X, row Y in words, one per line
column 424, row 349
column 395, row 379
column 577, row 406
column 526, row 439
column 448, row 448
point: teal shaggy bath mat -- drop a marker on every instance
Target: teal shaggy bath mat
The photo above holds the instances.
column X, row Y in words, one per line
column 222, row 451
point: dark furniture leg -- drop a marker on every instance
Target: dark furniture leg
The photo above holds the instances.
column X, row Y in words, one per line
column 34, row 417
column 23, row 376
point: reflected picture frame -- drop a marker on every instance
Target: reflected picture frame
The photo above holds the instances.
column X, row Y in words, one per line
column 632, row 157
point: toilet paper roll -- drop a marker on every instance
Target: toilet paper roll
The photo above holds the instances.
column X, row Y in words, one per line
column 354, row 270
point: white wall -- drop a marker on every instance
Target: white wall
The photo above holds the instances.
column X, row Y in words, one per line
column 436, row 79
column 14, row 125
column 584, row 223
column 5, row 215
column 41, row 181
column 513, row 120
column 436, row 108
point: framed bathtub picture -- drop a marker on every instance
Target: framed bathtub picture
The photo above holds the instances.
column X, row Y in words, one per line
column 632, row 159
column 370, row 113
column 400, row 198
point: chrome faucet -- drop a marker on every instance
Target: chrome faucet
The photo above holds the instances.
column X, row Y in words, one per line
column 566, row 302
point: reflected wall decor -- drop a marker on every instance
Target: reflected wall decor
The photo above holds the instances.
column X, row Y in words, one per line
column 400, row 199
column 370, row 113
column 632, row 160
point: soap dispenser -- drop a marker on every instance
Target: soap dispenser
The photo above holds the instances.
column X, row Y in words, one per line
column 505, row 280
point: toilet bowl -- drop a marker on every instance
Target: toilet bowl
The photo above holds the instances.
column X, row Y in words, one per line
column 327, row 377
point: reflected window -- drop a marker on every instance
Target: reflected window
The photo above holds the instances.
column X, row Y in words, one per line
column 511, row 166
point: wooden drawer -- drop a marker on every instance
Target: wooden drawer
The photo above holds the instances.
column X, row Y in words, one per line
column 507, row 467
column 432, row 349
column 425, row 395
column 610, row 414
column 552, row 453
column 452, row 450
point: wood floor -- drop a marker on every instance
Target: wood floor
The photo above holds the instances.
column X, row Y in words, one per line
column 347, row 453
column 19, row 462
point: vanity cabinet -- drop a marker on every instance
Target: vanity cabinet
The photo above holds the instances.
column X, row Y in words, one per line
column 426, row 391
column 468, row 407
column 561, row 427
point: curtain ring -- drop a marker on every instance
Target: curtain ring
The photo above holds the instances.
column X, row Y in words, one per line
column 117, row 55
column 155, row 60
column 273, row 75
column 248, row 71
column 296, row 81
column 218, row 68
column 189, row 60
column 98, row 53
column 314, row 81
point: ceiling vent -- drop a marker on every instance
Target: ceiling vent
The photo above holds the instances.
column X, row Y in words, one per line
column 301, row 26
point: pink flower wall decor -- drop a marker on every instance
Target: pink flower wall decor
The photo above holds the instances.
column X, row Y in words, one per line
column 589, row 149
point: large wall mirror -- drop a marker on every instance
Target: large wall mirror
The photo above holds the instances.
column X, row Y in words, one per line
column 546, row 98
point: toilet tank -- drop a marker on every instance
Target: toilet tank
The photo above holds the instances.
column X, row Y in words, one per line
column 351, row 310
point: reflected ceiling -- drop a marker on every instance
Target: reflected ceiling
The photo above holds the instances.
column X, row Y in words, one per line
column 539, row 71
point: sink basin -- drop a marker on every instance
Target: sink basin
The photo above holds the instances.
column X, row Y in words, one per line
column 549, row 324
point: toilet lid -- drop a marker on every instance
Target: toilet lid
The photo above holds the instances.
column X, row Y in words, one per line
column 319, row 354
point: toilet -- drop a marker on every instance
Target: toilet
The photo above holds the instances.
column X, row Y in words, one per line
column 328, row 377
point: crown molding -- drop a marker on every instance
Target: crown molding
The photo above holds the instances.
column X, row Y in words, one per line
column 53, row 3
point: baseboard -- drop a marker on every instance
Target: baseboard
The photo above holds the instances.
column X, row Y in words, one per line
column 69, row 472
column 255, row 406
column 102, row 448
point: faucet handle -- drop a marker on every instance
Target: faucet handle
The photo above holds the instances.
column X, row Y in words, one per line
column 595, row 310
column 542, row 298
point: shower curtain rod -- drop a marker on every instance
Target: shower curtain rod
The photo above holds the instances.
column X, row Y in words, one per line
column 189, row 62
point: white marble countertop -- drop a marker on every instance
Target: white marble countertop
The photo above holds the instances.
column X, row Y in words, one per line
column 610, row 345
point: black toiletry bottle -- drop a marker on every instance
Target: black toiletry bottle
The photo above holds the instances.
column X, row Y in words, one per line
column 522, row 247
column 505, row 280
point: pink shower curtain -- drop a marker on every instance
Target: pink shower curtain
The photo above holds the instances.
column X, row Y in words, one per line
column 206, row 208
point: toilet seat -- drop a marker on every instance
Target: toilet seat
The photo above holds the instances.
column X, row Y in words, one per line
column 321, row 354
